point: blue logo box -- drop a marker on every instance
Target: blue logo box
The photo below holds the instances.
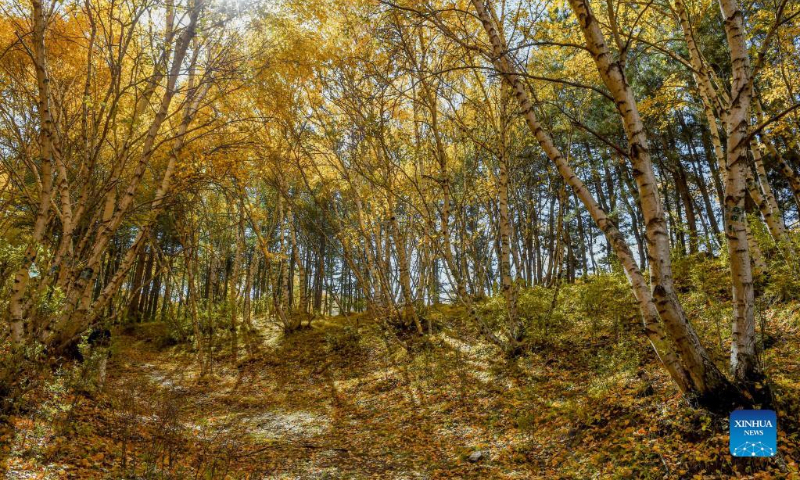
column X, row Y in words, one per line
column 754, row 433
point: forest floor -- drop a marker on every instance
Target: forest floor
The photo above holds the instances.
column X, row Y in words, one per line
column 343, row 400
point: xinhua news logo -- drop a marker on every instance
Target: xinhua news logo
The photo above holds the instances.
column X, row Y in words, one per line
column 754, row 433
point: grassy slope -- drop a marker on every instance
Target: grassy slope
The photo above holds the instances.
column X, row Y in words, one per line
column 342, row 400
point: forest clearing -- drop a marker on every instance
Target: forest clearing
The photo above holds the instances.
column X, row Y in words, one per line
column 399, row 239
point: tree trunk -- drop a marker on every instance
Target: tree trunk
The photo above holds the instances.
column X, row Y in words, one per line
column 699, row 376
column 711, row 384
column 653, row 328
column 688, row 206
column 508, row 286
column 744, row 362
column 17, row 316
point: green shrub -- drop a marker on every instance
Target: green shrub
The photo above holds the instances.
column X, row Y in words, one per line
column 539, row 315
column 599, row 304
column 346, row 340
column 784, row 282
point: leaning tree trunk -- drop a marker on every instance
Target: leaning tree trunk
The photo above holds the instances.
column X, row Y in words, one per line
column 711, row 383
column 703, row 377
column 682, row 376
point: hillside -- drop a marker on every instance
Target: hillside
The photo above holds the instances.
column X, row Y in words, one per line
column 346, row 399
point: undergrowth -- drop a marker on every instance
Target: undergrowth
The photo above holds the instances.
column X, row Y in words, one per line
column 346, row 398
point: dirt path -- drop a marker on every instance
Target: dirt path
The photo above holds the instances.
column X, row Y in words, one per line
column 318, row 404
